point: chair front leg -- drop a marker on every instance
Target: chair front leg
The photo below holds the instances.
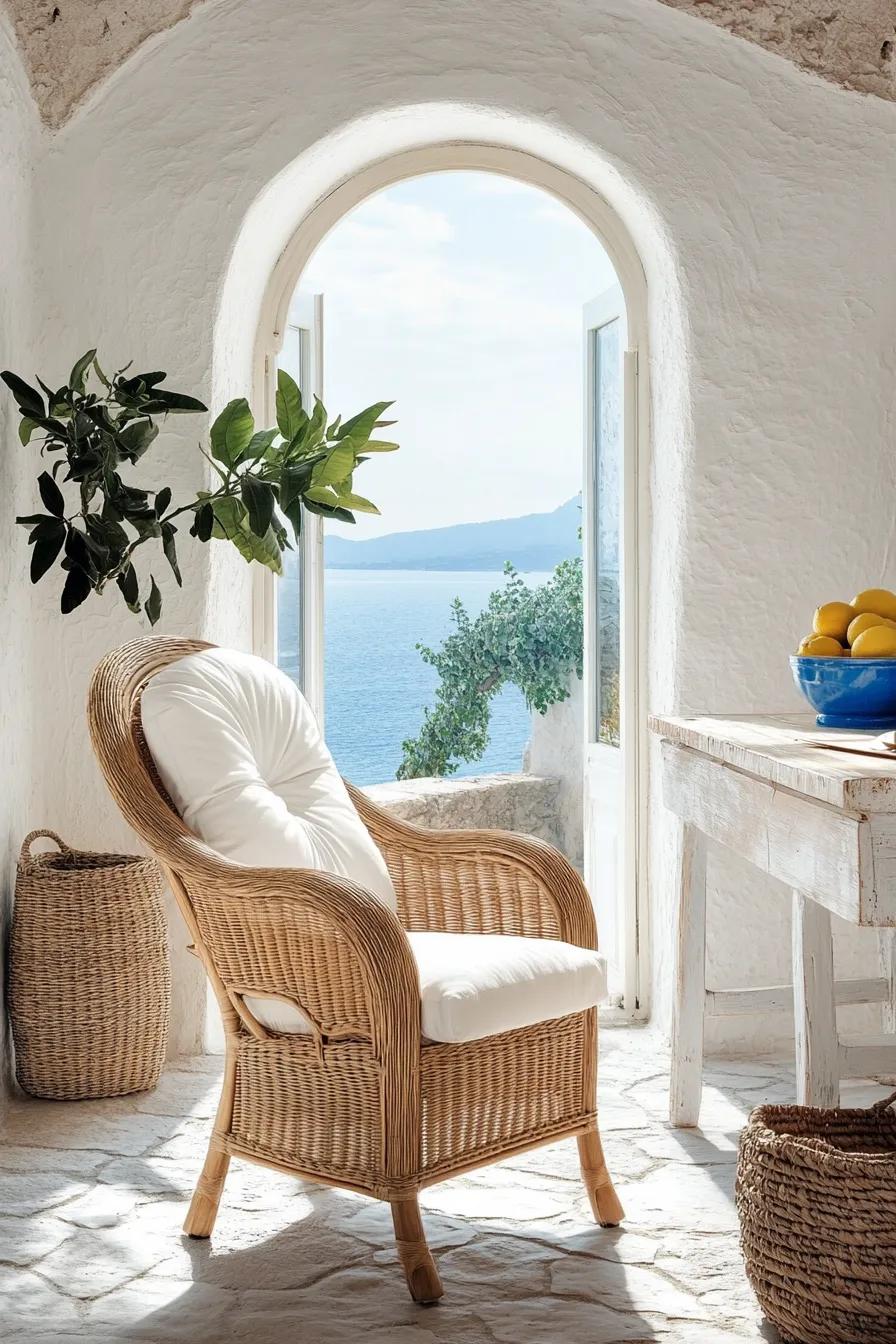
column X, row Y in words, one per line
column 203, row 1209
column 416, row 1259
column 604, row 1201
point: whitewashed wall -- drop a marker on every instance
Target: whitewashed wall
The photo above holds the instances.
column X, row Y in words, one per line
column 18, row 147
column 763, row 203
column 556, row 750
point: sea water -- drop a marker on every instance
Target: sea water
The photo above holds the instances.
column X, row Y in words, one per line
column 376, row 683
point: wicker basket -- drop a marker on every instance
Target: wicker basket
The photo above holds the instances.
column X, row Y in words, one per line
column 89, row 981
column 816, row 1195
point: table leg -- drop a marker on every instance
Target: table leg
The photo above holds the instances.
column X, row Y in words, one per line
column 690, row 984
column 814, row 1005
column 887, row 944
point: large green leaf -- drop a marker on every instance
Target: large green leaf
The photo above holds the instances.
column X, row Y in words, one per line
column 291, row 417
column 361, row 426
column 77, row 588
column 203, row 522
column 45, row 553
column 27, row 426
column 295, row 479
column 136, row 437
column 172, row 403
column 232, row 524
column 336, row 466
column 170, row 550
column 232, row 432
column 260, row 502
column 52, row 496
column 77, row 375
column 153, row 604
column 380, row 446
column 28, row 400
column 348, row 500
column 129, row 587
column 259, row 446
column 327, row 511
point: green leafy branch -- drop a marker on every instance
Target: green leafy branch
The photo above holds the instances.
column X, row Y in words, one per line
column 266, row 478
column 528, row 637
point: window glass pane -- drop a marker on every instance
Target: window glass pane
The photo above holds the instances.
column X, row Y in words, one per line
column 608, row 451
column 294, row 359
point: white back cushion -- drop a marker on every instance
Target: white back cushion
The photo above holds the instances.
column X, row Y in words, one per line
column 239, row 751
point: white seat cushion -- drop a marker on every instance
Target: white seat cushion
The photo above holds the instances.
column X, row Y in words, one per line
column 474, row 985
column 240, row 753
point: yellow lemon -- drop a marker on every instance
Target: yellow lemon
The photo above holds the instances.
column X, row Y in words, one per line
column 820, row 646
column 833, row 620
column 878, row 641
column 880, row 601
column 865, row 622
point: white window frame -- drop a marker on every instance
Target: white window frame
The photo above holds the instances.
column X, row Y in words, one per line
column 606, row 308
column 607, row 225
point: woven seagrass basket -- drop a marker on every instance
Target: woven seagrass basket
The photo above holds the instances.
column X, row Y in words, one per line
column 89, row 980
column 816, row 1195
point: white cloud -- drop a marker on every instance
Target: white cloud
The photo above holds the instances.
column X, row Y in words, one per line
column 393, row 260
column 467, row 311
column 554, row 213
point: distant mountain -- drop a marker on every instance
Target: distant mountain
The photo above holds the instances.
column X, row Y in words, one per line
column 537, row 541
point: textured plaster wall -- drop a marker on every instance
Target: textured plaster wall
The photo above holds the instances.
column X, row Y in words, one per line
column 762, row 204
column 850, row 42
column 556, row 750
column 70, row 46
column 18, row 146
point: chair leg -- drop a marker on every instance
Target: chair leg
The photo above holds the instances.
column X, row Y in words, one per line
column 604, row 1200
column 207, row 1195
column 416, row 1259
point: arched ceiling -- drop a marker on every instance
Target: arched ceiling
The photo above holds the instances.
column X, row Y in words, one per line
column 70, row 45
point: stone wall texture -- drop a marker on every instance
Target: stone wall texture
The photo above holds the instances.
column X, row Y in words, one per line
column 526, row 804
column 851, row 43
column 70, row 46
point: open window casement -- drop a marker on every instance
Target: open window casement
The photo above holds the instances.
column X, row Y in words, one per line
column 609, row 537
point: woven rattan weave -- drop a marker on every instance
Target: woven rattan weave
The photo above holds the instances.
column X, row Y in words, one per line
column 89, row 983
column 816, row 1195
column 363, row 1103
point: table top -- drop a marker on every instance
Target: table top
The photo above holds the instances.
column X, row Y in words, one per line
column 787, row 750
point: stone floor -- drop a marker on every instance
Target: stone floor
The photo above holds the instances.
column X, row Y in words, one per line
column 93, row 1194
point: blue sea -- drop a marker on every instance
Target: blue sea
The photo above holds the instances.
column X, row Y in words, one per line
column 376, row 683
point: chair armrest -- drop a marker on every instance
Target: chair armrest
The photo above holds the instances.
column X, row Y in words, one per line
column 313, row 938
column 480, row 881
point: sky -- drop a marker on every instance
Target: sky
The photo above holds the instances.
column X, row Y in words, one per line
column 459, row 296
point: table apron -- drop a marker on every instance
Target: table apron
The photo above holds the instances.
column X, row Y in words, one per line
column 845, row 861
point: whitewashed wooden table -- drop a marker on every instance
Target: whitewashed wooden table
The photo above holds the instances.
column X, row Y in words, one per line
column 822, row 821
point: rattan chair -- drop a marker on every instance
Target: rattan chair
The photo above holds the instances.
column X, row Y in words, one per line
column 362, row 1103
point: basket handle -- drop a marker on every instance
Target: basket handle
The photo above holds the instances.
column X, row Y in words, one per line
column 887, row 1101
column 29, row 840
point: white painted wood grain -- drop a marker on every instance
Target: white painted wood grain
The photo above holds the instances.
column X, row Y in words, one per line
column 779, row 749
column 690, row 983
column 804, row 843
column 868, row 1056
column 887, row 953
column 814, row 1013
column 879, row 896
column 779, row 998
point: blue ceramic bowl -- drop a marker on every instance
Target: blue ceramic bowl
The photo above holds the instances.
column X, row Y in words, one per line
column 849, row 692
